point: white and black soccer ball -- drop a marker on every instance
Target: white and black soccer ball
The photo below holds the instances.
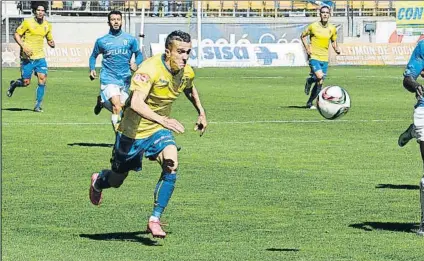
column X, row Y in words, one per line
column 333, row 102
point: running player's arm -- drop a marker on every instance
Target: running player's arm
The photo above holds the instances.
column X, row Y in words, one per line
column 304, row 36
column 411, row 85
column 193, row 96
column 135, row 49
column 20, row 31
column 49, row 37
column 414, row 68
column 141, row 83
column 334, row 40
column 92, row 60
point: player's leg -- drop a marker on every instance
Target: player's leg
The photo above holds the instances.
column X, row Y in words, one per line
column 126, row 155
column 165, row 151
column 41, row 71
column 419, row 131
column 407, row 135
column 27, row 67
column 110, row 97
column 99, row 105
column 421, row 227
column 318, row 75
column 116, row 110
column 310, row 80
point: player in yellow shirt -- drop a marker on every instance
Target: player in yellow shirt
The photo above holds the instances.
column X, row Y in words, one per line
column 320, row 34
column 146, row 127
column 30, row 37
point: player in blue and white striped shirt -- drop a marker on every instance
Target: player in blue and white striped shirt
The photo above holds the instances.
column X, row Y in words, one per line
column 117, row 48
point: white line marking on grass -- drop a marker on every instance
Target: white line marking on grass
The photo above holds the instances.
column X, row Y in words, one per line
column 213, row 122
column 285, row 77
column 54, row 70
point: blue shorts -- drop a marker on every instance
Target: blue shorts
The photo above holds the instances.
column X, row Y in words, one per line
column 316, row 65
column 29, row 66
column 128, row 153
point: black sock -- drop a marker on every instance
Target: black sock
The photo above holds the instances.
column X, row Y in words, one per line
column 314, row 93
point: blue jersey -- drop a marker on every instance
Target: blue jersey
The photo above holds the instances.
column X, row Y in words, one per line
column 117, row 51
column 416, row 65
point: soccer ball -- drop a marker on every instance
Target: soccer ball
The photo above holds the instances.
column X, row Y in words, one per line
column 333, row 102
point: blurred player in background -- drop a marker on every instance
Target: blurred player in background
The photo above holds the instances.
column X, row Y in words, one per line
column 146, row 128
column 320, row 34
column 117, row 48
column 30, row 37
column 415, row 68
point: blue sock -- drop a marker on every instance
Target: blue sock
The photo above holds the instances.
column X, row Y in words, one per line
column 40, row 94
column 163, row 193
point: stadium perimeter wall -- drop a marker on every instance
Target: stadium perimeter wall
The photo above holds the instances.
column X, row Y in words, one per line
column 228, row 41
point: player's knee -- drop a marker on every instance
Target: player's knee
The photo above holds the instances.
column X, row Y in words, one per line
column 116, row 179
column 320, row 77
column 116, row 108
column 169, row 165
column 42, row 79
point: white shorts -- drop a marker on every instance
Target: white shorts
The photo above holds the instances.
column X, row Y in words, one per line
column 109, row 90
column 419, row 123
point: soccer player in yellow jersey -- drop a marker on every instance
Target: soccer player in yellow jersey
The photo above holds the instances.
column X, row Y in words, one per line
column 146, row 126
column 30, row 37
column 320, row 34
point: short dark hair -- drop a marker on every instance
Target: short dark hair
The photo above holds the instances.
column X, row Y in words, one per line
column 177, row 36
column 36, row 4
column 114, row 12
column 324, row 6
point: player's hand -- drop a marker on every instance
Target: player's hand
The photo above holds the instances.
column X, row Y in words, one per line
column 27, row 51
column 51, row 43
column 201, row 124
column 93, row 75
column 422, row 73
column 419, row 91
column 133, row 66
column 337, row 50
column 173, row 125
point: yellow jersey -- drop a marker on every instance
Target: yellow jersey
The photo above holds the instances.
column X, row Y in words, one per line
column 320, row 37
column 163, row 89
column 33, row 35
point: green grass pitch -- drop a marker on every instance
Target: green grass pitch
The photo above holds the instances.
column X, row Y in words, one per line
column 269, row 180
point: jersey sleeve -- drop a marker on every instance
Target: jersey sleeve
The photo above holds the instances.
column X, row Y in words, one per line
column 94, row 54
column 333, row 34
column 135, row 49
column 22, row 28
column 307, row 31
column 144, row 78
column 49, row 35
column 416, row 63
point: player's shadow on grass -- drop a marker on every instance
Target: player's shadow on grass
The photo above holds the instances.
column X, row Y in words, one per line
column 296, row 107
column 283, row 249
column 390, row 226
column 87, row 144
column 401, row 186
column 16, row 109
column 124, row 236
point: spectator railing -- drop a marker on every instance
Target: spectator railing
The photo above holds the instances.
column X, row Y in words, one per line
column 219, row 8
